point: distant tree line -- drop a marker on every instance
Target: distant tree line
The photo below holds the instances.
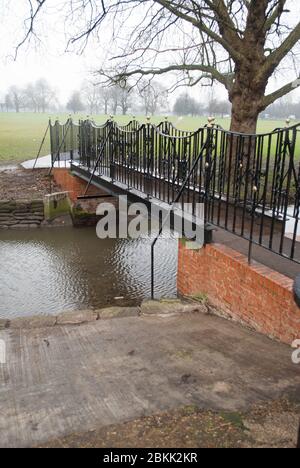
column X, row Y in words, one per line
column 283, row 109
column 187, row 105
column 148, row 98
column 35, row 97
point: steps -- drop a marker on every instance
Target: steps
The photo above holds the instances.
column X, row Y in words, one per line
column 21, row 214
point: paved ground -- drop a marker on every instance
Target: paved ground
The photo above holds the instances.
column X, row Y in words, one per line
column 43, row 162
column 71, row 379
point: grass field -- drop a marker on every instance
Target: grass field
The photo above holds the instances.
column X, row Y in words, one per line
column 21, row 134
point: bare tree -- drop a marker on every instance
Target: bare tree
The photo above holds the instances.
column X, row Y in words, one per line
column 238, row 43
column 16, row 97
column 45, row 95
column 153, row 96
column 92, row 96
column 114, row 98
column 98, row 98
column 75, row 104
column 31, row 98
column 39, row 96
column 222, row 108
column 125, row 98
column 218, row 107
column 186, row 105
column 8, row 102
column 105, row 99
column 119, row 97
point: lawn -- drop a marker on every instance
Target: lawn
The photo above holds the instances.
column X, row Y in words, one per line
column 21, row 134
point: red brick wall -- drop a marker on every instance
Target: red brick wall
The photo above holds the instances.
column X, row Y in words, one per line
column 252, row 293
column 73, row 184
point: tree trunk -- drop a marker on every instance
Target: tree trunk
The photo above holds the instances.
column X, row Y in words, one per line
column 246, row 107
column 250, row 80
column 247, row 98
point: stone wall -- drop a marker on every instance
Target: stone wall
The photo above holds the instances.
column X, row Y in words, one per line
column 253, row 294
column 21, row 214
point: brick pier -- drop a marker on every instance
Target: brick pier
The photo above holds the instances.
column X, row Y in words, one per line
column 253, row 294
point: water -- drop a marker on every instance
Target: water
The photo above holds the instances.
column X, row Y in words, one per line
column 52, row 270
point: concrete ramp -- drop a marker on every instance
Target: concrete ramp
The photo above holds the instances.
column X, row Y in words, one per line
column 63, row 379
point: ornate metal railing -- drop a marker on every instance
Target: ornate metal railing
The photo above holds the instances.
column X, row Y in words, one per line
column 249, row 183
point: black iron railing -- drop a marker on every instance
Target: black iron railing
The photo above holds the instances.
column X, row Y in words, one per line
column 250, row 184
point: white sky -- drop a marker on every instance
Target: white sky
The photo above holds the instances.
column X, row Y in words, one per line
column 65, row 71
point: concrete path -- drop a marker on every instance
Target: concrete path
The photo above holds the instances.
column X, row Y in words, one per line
column 44, row 162
column 63, row 379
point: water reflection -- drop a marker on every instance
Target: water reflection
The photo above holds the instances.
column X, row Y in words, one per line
column 46, row 271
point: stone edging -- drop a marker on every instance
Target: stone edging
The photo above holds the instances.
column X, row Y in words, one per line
column 148, row 308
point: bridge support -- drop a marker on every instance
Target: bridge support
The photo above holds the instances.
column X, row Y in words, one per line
column 73, row 184
column 252, row 294
column 83, row 208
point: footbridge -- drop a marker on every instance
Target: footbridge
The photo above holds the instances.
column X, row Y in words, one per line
column 249, row 184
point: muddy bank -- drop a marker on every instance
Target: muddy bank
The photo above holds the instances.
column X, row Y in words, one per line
column 268, row 425
column 18, row 183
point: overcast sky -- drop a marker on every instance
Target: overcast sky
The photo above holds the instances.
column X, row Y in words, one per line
column 65, row 71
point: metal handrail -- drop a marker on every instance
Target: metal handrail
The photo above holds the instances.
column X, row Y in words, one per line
column 216, row 126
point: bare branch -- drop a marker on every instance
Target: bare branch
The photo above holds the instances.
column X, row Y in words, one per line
column 280, row 53
column 169, row 5
column 30, row 29
column 209, row 71
column 292, row 86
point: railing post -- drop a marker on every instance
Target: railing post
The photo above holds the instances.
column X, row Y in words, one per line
column 57, row 140
column 110, row 144
column 88, row 141
column 51, row 140
column 148, row 144
column 208, row 162
column 71, row 138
